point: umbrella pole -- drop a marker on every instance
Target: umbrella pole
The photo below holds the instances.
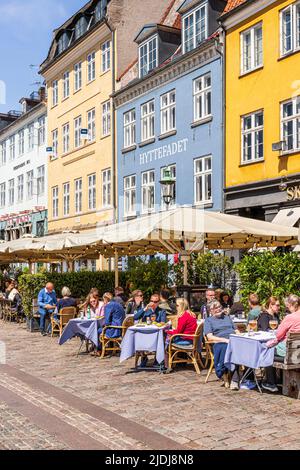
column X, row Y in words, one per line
column 185, row 273
column 116, row 268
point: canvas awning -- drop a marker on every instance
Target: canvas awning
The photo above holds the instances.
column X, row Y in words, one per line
column 288, row 217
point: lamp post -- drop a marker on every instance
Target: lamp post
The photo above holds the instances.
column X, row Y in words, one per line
column 168, row 185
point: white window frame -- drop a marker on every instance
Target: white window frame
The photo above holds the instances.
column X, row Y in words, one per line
column 254, row 63
column 3, row 153
column 91, row 67
column 91, row 119
column 106, row 56
column 166, row 110
column 11, row 192
column 192, row 15
column 254, row 132
column 55, row 201
column 30, row 184
column 92, row 192
column 78, row 196
column 66, row 85
column 202, row 97
column 55, row 143
column 20, row 188
column 40, row 182
column 205, row 175
column 77, row 132
column 41, row 130
column 148, row 120
column 144, row 52
column 77, row 77
column 106, row 119
column 66, row 137
column 66, row 199
column 55, row 92
column 106, row 188
column 295, row 119
column 12, row 147
column 130, row 195
column 3, row 195
column 129, row 128
column 148, row 191
column 294, row 10
column 21, row 139
column 31, row 129
column 173, row 170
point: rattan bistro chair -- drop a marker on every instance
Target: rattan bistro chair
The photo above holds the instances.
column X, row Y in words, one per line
column 65, row 315
column 114, row 344
column 10, row 313
column 190, row 352
column 209, row 345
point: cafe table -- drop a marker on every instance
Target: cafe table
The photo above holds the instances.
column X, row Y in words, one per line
column 86, row 329
column 250, row 350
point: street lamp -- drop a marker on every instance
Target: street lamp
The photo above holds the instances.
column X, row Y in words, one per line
column 168, row 184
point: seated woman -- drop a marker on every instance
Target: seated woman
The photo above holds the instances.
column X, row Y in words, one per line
column 226, row 301
column 135, row 305
column 187, row 323
column 270, row 312
column 67, row 300
column 217, row 328
column 93, row 307
column 14, row 296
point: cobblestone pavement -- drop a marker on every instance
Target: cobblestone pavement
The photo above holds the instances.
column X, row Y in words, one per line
column 50, row 398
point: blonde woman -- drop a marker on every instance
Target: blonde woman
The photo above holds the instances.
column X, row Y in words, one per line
column 187, row 323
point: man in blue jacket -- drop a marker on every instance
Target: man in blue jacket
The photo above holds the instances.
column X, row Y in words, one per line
column 152, row 309
column 114, row 315
column 47, row 302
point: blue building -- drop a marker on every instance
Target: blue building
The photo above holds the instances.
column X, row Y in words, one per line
column 171, row 116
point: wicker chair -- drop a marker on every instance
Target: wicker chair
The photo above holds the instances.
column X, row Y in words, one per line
column 10, row 313
column 191, row 352
column 114, row 344
column 210, row 355
column 65, row 315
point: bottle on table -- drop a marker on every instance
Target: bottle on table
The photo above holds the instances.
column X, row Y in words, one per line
column 204, row 312
column 88, row 315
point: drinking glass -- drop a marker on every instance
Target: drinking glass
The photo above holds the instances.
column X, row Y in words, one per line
column 153, row 318
column 253, row 325
column 273, row 324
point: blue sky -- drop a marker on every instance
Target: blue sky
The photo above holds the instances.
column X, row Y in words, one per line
column 26, row 28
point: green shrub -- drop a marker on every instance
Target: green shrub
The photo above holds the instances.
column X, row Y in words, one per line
column 148, row 275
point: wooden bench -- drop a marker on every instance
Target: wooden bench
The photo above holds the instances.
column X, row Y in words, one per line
column 290, row 366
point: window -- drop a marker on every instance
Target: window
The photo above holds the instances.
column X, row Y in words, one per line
column 78, row 196
column 92, row 192
column 77, row 132
column 91, row 125
column 11, row 192
column 78, row 76
column 20, row 188
column 148, row 191
column 100, row 9
column 194, row 28
column 91, row 66
column 147, row 120
column 106, row 119
column 55, row 93
column 21, row 142
column 41, row 180
column 253, row 137
column 202, row 97
column 129, row 128
column 3, row 153
column 105, row 52
column 31, row 137
column 12, row 148
column 66, row 138
column 66, row 199
column 55, row 202
column 290, row 28
column 168, row 112
column 148, row 56
column 30, row 180
column 251, row 49
column 106, row 188
column 2, row 195
column 290, row 124
column 130, row 195
column 203, row 180
column 63, row 43
column 55, row 142
column 41, row 130
column 172, row 168
column 80, row 27
column 66, row 85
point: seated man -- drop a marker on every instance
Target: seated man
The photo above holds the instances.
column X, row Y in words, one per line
column 114, row 315
column 218, row 327
column 152, row 309
column 47, row 302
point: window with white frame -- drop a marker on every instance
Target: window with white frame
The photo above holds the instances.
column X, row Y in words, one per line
column 66, row 204
column 30, row 182
column 11, row 192
column 203, row 180
column 91, row 66
column 41, row 180
column 168, row 112
column 147, row 120
column 12, row 147
column 202, row 97
column 55, row 142
column 78, row 196
column 106, row 119
column 148, row 191
column 106, row 58
column 21, row 142
column 3, row 153
column 31, row 136
column 129, row 128
column 253, row 137
column 54, row 92
column 77, row 132
column 106, row 188
column 20, row 186
column 41, row 130
column 2, row 195
column 195, row 28
column 77, row 76
column 55, row 202
column 92, row 192
column 91, row 118
column 252, row 48
column 172, row 169
column 290, row 29
column 66, row 85
column 290, row 124
column 130, row 195
column 66, row 138
column 148, row 56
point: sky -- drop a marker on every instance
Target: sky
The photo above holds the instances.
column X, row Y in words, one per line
column 26, row 28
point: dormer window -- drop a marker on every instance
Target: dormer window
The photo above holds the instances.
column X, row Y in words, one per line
column 148, row 56
column 195, row 28
column 100, row 9
column 63, row 42
column 80, row 27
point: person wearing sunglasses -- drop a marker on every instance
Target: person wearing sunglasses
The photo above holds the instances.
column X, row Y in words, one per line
column 153, row 310
column 135, row 305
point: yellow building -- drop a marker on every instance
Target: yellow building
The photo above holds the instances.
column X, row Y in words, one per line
column 262, row 177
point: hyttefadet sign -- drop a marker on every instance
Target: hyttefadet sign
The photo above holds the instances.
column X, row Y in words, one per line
column 163, row 152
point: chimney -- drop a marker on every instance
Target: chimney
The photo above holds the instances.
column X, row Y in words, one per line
column 42, row 93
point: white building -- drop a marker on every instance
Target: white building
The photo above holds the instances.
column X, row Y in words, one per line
column 23, row 169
